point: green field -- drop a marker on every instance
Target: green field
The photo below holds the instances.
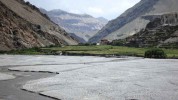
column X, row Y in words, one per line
column 102, row 50
column 110, row 50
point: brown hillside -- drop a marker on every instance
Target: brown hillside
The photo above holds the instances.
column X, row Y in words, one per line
column 23, row 26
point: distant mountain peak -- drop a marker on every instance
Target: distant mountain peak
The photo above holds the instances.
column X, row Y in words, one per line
column 83, row 26
column 103, row 19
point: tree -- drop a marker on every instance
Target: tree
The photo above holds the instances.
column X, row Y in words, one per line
column 155, row 53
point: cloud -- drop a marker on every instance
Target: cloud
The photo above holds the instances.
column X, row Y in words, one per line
column 106, row 8
column 95, row 10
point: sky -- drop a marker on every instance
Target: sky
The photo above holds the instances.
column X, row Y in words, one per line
column 108, row 9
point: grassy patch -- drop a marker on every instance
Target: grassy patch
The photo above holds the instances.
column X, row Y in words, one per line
column 101, row 50
column 93, row 50
column 31, row 51
column 110, row 50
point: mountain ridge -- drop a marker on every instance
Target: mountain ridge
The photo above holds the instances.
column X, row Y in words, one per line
column 82, row 25
column 130, row 22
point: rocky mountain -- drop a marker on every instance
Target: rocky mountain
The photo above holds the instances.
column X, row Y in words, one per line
column 103, row 20
column 161, row 31
column 132, row 20
column 83, row 26
column 23, row 26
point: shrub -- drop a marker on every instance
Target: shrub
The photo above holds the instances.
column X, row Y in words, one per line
column 155, row 53
column 86, row 44
column 118, row 43
column 38, row 27
column 51, row 46
column 27, row 3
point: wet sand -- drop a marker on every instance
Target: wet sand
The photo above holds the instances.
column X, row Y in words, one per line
column 11, row 89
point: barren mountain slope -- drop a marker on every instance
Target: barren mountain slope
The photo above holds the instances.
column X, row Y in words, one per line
column 131, row 21
column 23, row 26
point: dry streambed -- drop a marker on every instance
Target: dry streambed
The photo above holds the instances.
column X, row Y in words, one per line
column 98, row 78
column 11, row 81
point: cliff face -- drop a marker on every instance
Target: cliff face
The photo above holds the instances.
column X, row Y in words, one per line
column 160, row 32
column 23, row 26
column 170, row 19
column 132, row 21
column 82, row 26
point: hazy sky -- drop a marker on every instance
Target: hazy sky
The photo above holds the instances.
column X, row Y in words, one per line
column 109, row 9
